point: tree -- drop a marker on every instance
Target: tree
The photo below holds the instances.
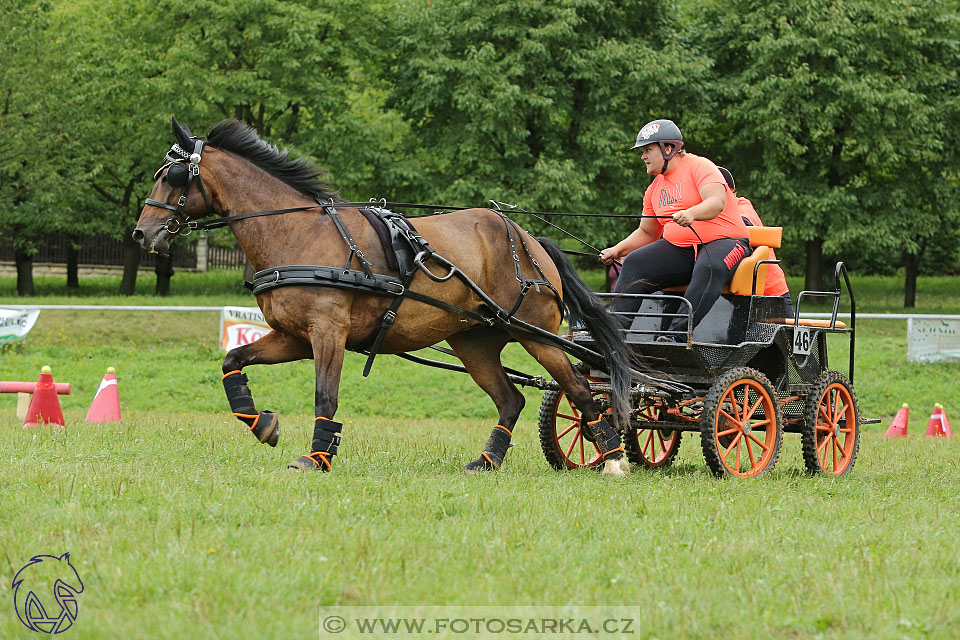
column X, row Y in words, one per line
column 26, row 182
column 537, row 102
column 840, row 116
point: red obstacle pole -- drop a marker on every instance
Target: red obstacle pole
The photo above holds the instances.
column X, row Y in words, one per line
column 63, row 388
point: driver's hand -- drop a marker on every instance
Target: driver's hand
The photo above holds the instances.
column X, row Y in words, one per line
column 683, row 218
column 608, row 255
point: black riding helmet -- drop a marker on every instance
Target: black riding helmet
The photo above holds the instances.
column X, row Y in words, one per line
column 663, row 132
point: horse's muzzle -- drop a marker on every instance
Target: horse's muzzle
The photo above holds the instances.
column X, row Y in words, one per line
column 157, row 241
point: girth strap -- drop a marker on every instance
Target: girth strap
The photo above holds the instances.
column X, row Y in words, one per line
column 302, row 274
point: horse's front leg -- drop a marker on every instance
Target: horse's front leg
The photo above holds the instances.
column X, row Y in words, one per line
column 273, row 348
column 329, row 344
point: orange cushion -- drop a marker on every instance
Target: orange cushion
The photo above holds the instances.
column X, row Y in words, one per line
column 807, row 322
column 766, row 236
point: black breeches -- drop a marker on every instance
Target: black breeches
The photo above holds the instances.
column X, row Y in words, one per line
column 661, row 264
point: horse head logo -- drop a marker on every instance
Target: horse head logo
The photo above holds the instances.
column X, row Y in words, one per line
column 45, row 593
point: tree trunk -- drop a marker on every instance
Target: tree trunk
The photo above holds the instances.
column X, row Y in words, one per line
column 73, row 264
column 813, row 280
column 24, row 273
column 911, row 262
column 164, row 271
column 131, row 262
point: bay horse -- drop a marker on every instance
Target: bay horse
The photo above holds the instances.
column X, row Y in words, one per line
column 237, row 173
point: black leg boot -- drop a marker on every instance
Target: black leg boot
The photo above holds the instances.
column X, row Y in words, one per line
column 326, row 441
column 263, row 424
column 493, row 452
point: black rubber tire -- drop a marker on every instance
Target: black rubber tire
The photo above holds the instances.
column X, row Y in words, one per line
column 669, row 440
column 547, row 426
column 838, row 385
column 709, row 424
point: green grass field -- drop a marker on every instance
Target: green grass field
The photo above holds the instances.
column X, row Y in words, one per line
column 182, row 526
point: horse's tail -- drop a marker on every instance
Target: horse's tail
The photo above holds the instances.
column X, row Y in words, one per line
column 586, row 307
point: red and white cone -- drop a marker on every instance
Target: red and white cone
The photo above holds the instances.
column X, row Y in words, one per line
column 898, row 428
column 45, row 406
column 939, row 426
column 106, row 404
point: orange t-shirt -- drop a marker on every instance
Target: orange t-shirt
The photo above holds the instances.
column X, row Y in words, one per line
column 776, row 281
column 679, row 189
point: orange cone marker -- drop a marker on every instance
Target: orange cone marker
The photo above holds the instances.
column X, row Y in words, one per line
column 939, row 426
column 106, row 404
column 45, row 406
column 898, row 428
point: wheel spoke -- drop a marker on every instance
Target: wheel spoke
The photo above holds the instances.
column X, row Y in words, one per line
column 733, row 403
column 737, row 467
column 568, row 429
column 753, row 462
column 573, row 443
column 838, row 407
column 754, row 409
column 824, row 428
column 728, row 416
column 582, row 457
column 649, row 443
column 760, row 444
column 823, row 412
column 746, row 401
column 563, row 415
column 822, row 451
column 720, row 434
column 663, row 445
column 821, row 448
column 760, row 423
column 726, row 453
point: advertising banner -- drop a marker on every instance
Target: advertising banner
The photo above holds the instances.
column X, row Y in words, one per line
column 240, row 326
column 933, row 339
column 14, row 324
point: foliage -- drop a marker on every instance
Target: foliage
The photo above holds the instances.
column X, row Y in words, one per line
column 537, row 103
column 839, row 119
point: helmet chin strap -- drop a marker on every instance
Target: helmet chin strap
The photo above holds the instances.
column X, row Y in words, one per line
column 668, row 156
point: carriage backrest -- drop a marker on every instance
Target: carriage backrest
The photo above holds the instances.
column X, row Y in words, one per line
column 765, row 236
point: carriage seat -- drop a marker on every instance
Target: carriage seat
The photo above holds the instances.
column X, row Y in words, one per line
column 762, row 239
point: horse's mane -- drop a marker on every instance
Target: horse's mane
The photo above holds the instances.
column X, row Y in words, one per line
column 236, row 137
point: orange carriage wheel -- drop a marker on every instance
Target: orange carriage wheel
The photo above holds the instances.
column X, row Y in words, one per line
column 740, row 428
column 830, row 432
column 561, row 433
column 647, row 446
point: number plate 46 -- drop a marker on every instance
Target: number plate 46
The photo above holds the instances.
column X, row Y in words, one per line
column 802, row 340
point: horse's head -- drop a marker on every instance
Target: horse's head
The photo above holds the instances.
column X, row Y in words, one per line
column 178, row 195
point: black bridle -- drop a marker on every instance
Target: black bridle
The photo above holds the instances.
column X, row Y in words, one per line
column 182, row 170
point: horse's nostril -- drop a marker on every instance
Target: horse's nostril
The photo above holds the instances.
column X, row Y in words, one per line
column 138, row 235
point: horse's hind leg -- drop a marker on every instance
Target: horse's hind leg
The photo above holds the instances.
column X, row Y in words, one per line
column 479, row 350
column 557, row 364
column 273, row 348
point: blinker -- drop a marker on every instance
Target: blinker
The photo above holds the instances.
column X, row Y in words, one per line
column 177, row 174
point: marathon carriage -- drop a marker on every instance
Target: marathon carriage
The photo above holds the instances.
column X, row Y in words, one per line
column 743, row 377
column 477, row 280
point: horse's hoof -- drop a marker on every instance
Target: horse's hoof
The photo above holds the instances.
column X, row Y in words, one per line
column 479, row 465
column 267, row 430
column 613, row 468
column 625, row 465
column 313, row 462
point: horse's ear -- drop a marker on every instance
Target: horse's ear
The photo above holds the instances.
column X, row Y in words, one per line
column 182, row 134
